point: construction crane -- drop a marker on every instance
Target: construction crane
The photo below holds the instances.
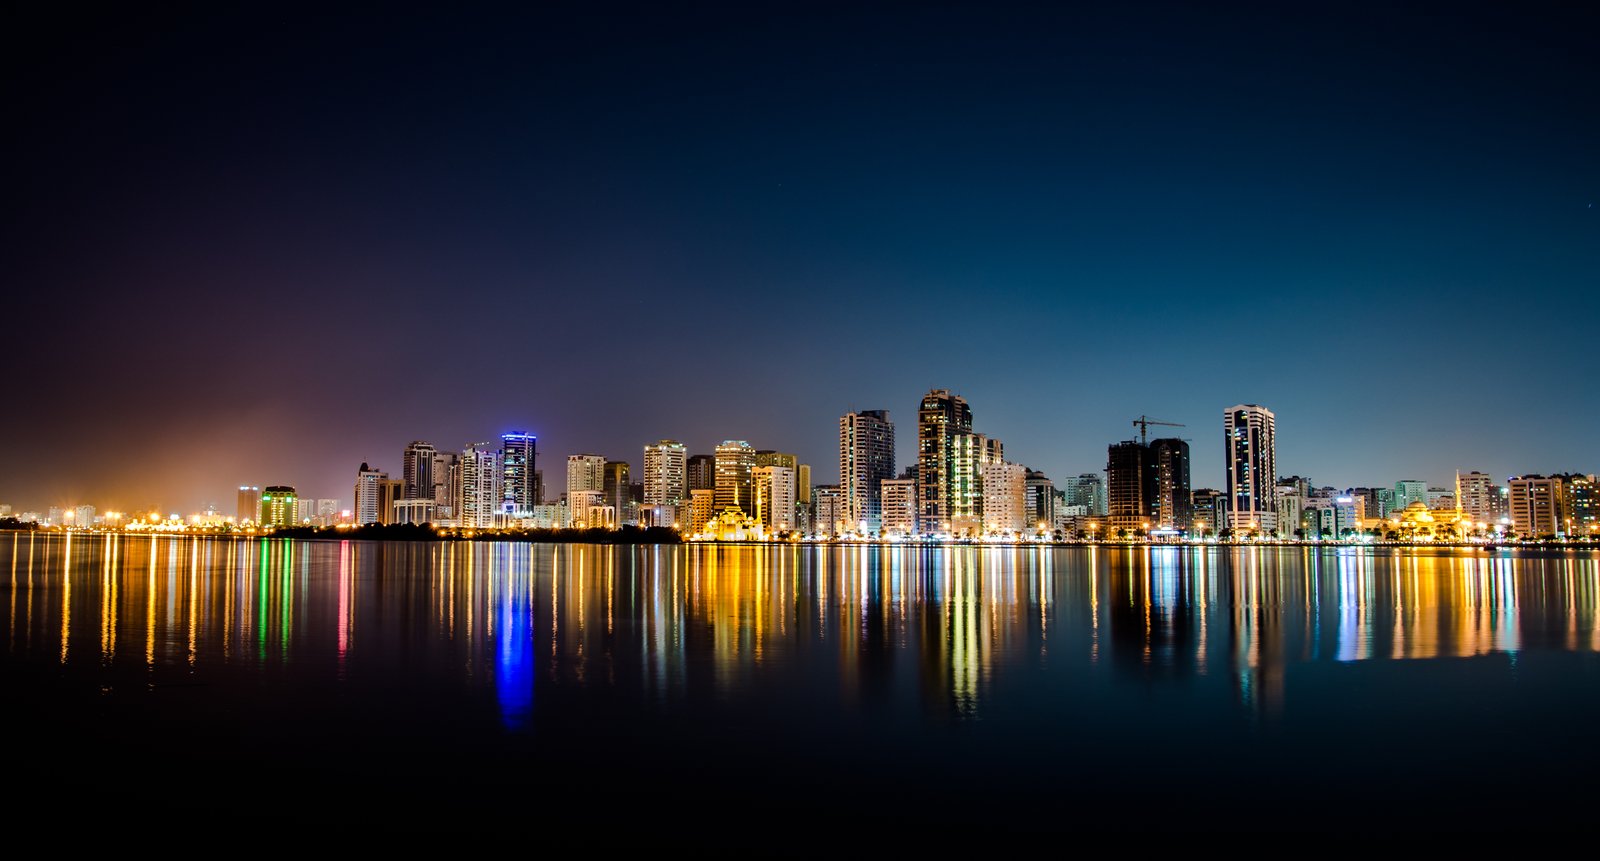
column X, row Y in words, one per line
column 1143, row 423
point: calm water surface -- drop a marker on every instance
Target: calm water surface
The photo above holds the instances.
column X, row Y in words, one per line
column 960, row 688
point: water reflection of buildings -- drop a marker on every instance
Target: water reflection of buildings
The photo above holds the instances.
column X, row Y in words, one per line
column 948, row 628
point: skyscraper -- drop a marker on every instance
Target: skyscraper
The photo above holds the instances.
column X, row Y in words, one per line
column 1538, row 505
column 774, row 488
column 665, row 473
column 940, row 417
column 900, row 505
column 1408, row 491
column 617, row 488
column 481, row 494
column 1040, row 505
column 585, row 472
column 1131, row 486
column 1171, row 460
column 416, row 470
column 1005, row 498
column 1475, row 495
column 278, row 505
column 1088, row 489
column 368, row 496
column 249, row 503
column 446, row 484
column 1250, row 460
column 517, row 456
column 702, row 507
column 735, row 461
column 701, row 470
column 969, row 454
column 866, row 460
column 827, row 517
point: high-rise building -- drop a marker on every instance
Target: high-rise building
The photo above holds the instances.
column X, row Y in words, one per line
column 416, row 470
column 900, row 504
column 1251, row 462
column 368, row 497
column 327, row 512
column 702, row 507
column 827, row 517
column 481, row 494
column 278, row 505
column 701, row 470
column 517, row 460
column 969, row 454
column 1130, row 486
column 249, row 503
column 1206, row 507
column 665, row 473
column 1475, row 495
column 1170, row 458
column 1005, row 498
column 774, row 497
column 735, row 461
column 1040, row 506
column 585, row 472
column 1538, row 505
column 1582, row 496
column 1408, row 491
column 446, row 484
column 866, row 460
column 768, row 457
column 1088, row 489
column 941, row 416
column 618, row 490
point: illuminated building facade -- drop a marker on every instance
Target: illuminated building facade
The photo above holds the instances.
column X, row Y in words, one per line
column 368, row 506
column 585, row 472
column 278, row 505
column 1088, row 489
column 480, row 486
column 517, row 456
column 941, row 417
column 1251, row 462
column 249, row 507
column 1538, row 505
column 416, row 470
column 618, row 490
column 583, row 504
column 1475, row 492
column 1170, row 458
column 665, row 473
column 774, row 497
column 827, row 517
column 1005, row 489
column 866, row 460
column 702, row 505
column 1408, row 491
column 446, row 484
column 899, row 497
column 412, row 510
column 1583, row 505
column 969, row 454
column 736, row 460
column 1040, row 504
column 1205, row 508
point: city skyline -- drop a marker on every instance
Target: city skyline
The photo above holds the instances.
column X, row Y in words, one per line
column 330, row 486
column 1064, row 214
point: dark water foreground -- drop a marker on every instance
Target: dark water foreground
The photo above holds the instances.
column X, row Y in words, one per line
column 669, row 692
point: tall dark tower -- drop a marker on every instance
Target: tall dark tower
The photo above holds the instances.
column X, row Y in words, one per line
column 1130, row 486
column 941, row 416
column 1171, row 509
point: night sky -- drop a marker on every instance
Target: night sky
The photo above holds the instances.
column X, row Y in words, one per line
column 251, row 247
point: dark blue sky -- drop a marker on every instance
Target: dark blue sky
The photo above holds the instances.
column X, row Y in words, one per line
column 255, row 247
